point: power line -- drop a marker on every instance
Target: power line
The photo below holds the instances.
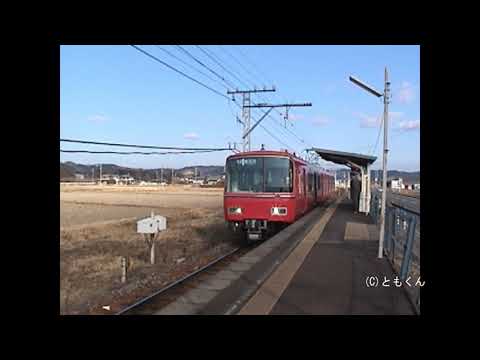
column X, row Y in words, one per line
column 201, row 63
column 302, row 141
column 269, row 115
column 141, row 146
column 190, row 65
column 238, row 62
column 253, row 65
column 178, row 71
column 217, row 60
column 212, row 56
column 136, row 152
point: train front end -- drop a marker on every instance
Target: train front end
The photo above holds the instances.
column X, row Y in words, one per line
column 259, row 193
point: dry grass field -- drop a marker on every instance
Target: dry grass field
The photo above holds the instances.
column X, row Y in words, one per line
column 98, row 227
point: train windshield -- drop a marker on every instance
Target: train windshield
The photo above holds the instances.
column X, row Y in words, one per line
column 260, row 174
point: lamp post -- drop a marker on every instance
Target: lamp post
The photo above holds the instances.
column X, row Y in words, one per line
column 386, row 98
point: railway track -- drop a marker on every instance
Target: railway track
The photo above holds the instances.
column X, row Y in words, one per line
column 161, row 298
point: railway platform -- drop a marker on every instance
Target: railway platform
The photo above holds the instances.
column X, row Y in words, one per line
column 326, row 273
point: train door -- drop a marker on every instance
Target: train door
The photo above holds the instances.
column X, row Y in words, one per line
column 304, row 207
column 315, row 200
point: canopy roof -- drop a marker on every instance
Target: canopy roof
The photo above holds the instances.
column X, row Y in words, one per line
column 345, row 158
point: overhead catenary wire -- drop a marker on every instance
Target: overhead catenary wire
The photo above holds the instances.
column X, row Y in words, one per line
column 211, row 55
column 141, row 146
column 238, row 62
column 137, row 152
column 301, row 141
column 261, row 95
column 214, row 57
column 178, row 71
column 200, row 62
column 191, row 66
column 262, row 74
column 189, row 77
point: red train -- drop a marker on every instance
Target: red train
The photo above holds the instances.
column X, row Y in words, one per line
column 266, row 190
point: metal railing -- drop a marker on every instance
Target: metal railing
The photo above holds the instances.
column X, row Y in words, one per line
column 401, row 242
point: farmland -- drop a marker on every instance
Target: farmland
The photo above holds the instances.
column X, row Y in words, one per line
column 98, row 227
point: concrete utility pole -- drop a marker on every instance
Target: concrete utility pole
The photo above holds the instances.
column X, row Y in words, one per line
column 100, row 173
column 246, row 112
column 386, row 98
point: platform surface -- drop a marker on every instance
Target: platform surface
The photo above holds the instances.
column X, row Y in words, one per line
column 331, row 279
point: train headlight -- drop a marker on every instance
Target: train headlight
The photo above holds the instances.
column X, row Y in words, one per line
column 279, row 211
column 234, row 210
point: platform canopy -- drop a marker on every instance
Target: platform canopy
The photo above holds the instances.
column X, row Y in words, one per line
column 345, row 158
column 358, row 162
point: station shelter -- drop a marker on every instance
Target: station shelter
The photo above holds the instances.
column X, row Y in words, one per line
column 356, row 162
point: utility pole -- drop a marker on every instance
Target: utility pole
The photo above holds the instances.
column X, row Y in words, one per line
column 246, row 114
column 172, row 177
column 161, row 175
column 100, row 174
column 386, row 98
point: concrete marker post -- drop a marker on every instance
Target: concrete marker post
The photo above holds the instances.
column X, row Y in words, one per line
column 123, row 264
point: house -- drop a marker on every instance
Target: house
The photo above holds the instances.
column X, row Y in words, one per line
column 212, row 180
column 109, row 179
column 79, row 176
column 395, row 183
column 125, row 180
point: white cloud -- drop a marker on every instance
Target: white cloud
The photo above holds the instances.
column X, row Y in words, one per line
column 409, row 125
column 395, row 114
column 98, row 118
column 368, row 121
column 295, row 117
column 406, row 93
column 320, row 121
column 191, row 136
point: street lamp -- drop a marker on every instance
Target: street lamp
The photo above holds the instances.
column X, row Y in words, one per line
column 386, row 97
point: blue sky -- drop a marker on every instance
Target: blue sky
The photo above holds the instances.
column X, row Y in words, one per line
column 117, row 94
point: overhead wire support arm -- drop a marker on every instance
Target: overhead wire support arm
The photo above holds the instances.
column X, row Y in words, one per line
column 256, row 124
column 261, row 105
column 250, row 91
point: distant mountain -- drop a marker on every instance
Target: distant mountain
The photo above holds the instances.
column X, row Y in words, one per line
column 69, row 169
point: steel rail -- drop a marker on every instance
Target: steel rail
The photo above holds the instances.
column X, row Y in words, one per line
column 176, row 282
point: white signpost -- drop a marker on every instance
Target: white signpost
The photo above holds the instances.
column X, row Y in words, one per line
column 150, row 228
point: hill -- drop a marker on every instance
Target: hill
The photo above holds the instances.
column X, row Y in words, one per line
column 69, row 169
